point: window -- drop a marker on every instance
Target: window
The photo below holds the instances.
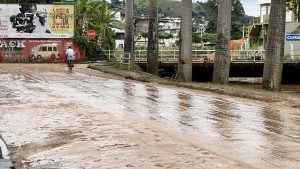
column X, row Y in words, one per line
column 54, row 48
column 120, row 36
column 44, row 48
column 49, row 48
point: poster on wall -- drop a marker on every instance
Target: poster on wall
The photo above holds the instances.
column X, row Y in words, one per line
column 32, row 50
column 36, row 21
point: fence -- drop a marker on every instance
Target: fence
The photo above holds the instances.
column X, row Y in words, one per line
column 173, row 55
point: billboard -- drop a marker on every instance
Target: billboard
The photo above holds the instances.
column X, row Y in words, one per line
column 36, row 21
column 33, row 50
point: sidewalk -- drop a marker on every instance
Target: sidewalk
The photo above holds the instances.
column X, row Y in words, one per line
column 240, row 91
column 4, row 162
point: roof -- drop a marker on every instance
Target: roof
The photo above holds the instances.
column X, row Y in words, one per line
column 118, row 30
column 264, row 2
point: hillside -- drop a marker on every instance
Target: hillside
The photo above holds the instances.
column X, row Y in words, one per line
column 169, row 8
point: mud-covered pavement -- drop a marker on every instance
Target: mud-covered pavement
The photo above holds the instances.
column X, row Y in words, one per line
column 88, row 119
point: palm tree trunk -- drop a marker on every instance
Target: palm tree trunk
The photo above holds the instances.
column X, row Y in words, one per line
column 222, row 59
column 152, row 50
column 185, row 64
column 84, row 24
column 128, row 42
column 275, row 46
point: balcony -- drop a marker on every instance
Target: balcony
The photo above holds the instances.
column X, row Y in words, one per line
column 265, row 19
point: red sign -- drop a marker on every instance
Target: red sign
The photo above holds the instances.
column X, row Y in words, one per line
column 92, row 34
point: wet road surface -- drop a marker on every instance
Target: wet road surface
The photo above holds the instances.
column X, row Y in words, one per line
column 88, row 119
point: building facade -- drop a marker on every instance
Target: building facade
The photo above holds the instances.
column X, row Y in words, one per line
column 165, row 25
column 259, row 29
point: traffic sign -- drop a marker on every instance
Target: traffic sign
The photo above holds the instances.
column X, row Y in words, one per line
column 92, row 34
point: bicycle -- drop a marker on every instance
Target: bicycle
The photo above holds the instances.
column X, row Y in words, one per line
column 70, row 65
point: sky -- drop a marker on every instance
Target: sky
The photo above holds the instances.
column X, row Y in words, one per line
column 251, row 7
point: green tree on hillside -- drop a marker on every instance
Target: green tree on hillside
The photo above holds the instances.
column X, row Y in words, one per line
column 165, row 7
column 92, row 14
column 236, row 15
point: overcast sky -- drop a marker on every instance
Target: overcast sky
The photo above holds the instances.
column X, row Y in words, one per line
column 251, row 7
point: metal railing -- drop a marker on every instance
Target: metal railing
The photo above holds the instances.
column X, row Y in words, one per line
column 199, row 56
column 247, row 56
column 173, row 55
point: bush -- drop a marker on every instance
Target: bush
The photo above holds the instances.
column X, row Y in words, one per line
column 92, row 49
column 140, row 47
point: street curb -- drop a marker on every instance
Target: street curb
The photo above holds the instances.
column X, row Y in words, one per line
column 178, row 84
column 105, row 71
column 239, row 93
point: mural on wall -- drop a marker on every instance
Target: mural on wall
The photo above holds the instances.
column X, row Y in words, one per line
column 36, row 21
column 11, row 50
column 16, row 50
column 42, row 52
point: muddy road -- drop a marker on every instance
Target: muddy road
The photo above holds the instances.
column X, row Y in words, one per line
column 91, row 120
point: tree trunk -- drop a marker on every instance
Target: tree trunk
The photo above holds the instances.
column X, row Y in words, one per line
column 152, row 50
column 185, row 64
column 84, row 24
column 222, row 59
column 275, row 46
column 128, row 42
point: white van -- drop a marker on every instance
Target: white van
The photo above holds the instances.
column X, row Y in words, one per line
column 45, row 52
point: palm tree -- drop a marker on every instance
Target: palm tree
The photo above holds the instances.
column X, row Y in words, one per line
column 152, row 51
column 185, row 63
column 94, row 15
column 222, row 60
column 81, row 8
column 275, row 46
column 106, row 35
column 99, row 18
column 128, row 42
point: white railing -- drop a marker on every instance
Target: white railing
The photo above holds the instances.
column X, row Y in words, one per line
column 199, row 56
column 247, row 55
column 172, row 55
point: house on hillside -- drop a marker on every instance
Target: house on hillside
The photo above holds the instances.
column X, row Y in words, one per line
column 170, row 26
column 120, row 36
column 259, row 28
column 165, row 25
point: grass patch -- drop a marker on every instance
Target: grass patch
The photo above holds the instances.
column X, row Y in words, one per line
column 118, row 65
